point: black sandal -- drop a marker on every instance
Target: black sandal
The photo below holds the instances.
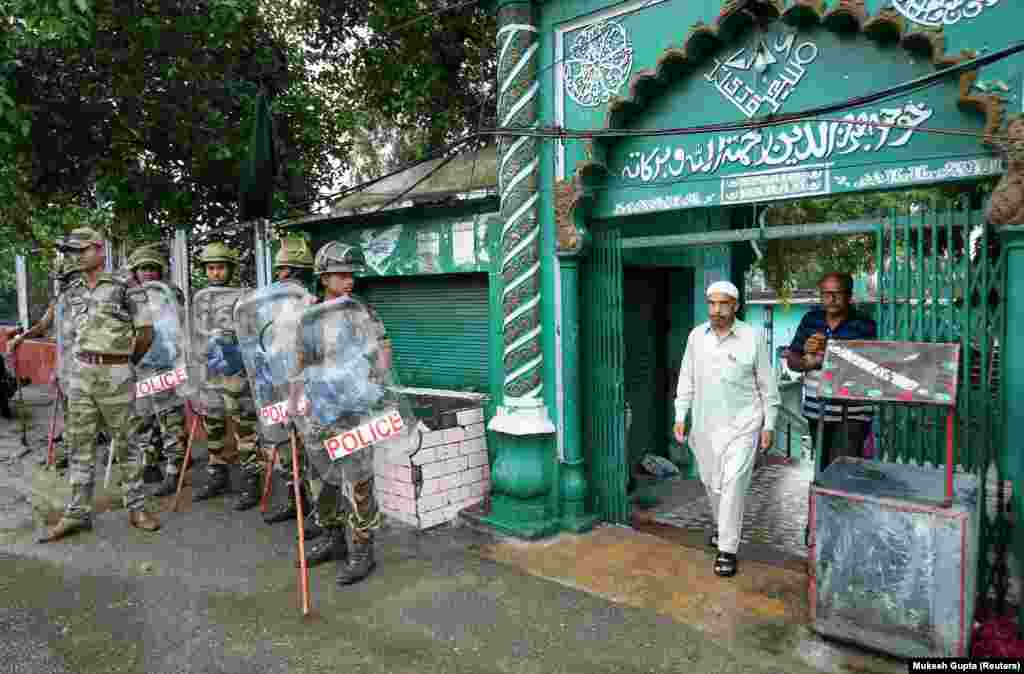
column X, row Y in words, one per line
column 725, row 564
column 713, row 540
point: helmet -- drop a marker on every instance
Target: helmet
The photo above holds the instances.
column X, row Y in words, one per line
column 336, row 256
column 294, row 252
column 147, row 255
column 218, row 252
column 63, row 269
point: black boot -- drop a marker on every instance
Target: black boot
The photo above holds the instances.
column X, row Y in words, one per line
column 168, row 486
column 217, row 483
column 331, row 546
column 251, row 491
column 311, row 528
column 151, row 475
column 287, row 510
column 360, row 559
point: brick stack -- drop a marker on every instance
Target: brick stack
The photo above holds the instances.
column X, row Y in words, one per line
column 449, row 472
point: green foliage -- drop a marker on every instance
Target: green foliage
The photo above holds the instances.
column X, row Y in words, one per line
column 791, row 264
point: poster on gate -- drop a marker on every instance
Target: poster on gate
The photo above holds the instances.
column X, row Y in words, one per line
column 383, row 427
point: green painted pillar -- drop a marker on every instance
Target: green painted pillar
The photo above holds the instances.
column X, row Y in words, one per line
column 521, row 476
column 1012, row 359
column 572, row 475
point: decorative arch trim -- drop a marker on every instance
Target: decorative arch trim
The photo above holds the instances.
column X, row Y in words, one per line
column 737, row 16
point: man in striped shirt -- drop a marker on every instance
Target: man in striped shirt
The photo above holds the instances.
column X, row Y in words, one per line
column 836, row 319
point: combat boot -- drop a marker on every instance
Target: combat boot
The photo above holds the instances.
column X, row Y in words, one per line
column 168, row 486
column 217, row 483
column 331, row 546
column 140, row 519
column 151, row 475
column 251, row 491
column 287, row 510
column 360, row 558
column 65, row 527
column 311, row 528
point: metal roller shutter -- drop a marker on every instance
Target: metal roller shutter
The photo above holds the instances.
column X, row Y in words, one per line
column 438, row 327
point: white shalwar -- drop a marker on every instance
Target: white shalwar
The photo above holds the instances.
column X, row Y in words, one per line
column 729, row 386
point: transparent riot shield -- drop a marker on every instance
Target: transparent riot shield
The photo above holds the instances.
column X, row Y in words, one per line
column 65, row 341
column 346, row 398
column 267, row 322
column 162, row 375
column 215, row 360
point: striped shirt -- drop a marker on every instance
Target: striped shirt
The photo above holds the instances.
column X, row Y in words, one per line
column 856, row 326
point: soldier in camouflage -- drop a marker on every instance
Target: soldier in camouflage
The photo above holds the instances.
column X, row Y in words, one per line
column 235, row 412
column 67, row 275
column 294, row 264
column 167, row 424
column 113, row 330
column 348, row 509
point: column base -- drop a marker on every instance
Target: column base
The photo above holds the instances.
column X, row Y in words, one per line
column 522, row 420
column 579, row 524
column 517, row 518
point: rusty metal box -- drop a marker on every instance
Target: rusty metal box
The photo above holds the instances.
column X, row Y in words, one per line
column 890, row 567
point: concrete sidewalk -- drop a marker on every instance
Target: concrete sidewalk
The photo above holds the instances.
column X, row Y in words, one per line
column 215, row 591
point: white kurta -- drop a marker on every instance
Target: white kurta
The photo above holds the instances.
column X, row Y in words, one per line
column 729, row 386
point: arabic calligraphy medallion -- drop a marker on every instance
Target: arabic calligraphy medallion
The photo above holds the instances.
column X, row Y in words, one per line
column 598, row 63
column 942, row 12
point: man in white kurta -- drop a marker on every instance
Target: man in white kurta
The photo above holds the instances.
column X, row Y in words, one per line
column 727, row 384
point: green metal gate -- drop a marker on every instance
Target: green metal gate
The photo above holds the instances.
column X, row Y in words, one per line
column 601, row 363
column 941, row 280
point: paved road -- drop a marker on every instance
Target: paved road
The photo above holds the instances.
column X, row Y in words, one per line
column 214, row 592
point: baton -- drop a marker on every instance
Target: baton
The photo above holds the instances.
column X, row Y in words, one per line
column 110, row 462
column 297, row 486
column 268, row 482
column 184, row 464
column 51, row 458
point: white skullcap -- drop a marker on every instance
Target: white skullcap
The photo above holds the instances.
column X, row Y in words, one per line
column 725, row 288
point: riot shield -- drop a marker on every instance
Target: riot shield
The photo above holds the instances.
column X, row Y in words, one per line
column 349, row 406
column 267, row 321
column 215, row 361
column 161, row 376
column 65, row 341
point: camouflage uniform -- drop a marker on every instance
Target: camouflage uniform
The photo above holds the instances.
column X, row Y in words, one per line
column 166, row 424
column 347, row 506
column 235, row 404
column 101, row 388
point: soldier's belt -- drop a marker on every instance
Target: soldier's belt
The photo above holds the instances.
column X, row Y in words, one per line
column 103, row 359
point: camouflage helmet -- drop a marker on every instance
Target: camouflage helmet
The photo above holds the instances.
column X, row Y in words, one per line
column 151, row 255
column 294, row 252
column 338, row 257
column 218, row 252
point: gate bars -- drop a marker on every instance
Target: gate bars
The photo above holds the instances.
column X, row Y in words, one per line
column 940, row 279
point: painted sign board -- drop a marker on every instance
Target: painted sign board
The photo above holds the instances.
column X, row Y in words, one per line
column 895, row 372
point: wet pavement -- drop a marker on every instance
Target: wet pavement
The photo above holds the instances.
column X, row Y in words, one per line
column 775, row 514
column 215, row 591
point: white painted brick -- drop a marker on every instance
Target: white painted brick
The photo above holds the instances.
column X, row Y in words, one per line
column 457, row 434
column 401, row 517
column 432, row 470
column 478, row 489
column 476, row 474
column 471, row 501
column 432, row 519
column 475, row 430
column 477, row 460
column 449, row 451
column 452, row 511
column 400, row 473
column 467, row 417
column 403, row 489
column 472, row 446
column 433, row 439
column 435, row 501
column 425, row 456
column 451, row 481
column 398, row 504
column 431, row 486
column 455, row 465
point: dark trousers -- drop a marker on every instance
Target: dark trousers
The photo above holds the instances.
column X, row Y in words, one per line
column 839, row 439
